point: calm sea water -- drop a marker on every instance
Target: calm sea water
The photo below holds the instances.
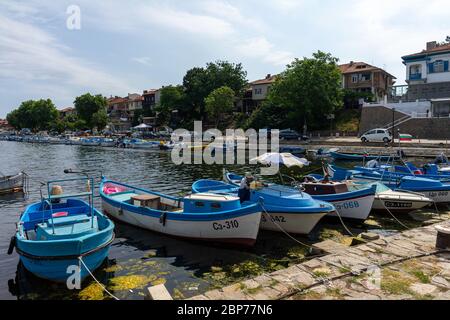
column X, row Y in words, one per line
column 148, row 258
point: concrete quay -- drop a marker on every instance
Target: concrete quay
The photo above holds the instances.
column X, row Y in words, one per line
column 403, row 266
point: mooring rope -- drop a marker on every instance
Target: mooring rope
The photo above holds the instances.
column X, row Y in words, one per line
column 329, row 281
column 342, row 222
column 281, row 228
column 395, row 218
column 99, row 283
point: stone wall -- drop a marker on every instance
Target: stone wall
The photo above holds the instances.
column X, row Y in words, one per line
column 434, row 128
column 429, row 91
column 379, row 117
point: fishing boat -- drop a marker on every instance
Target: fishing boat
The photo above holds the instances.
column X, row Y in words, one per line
column 62, row 231
column 285, row 209
column 292, row 149
column 355, row 204
column 204, row 216
column 12, row 183
column 436, row 190
column 387, row 199
column 107, row 142
column 90, row 142
column 320, row 153
column 361, row 157
column 142, row 144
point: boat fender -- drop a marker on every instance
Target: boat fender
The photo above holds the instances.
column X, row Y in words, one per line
column 163, row 218
column 12, row 244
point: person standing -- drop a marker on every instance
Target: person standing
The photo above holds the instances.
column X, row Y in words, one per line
column 244, row 188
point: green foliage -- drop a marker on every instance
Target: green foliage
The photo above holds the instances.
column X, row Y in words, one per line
column 200, row 82
column 172, row 98
column 308, row 89
column 219, row 102
column 91, row 109
column 33, row 114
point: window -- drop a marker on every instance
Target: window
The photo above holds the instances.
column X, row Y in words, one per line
column 380, row 131
column 365, row 77
column 258, row 91
column 354, row 78
column 438, row 66
column 215, row 205
column 199, row 204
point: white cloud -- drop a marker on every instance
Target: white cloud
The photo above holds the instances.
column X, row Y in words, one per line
column 29, row 54
column 260, row 47
column 147, row 61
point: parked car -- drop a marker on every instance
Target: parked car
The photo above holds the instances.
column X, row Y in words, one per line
column 377, row 135
column 288, row 134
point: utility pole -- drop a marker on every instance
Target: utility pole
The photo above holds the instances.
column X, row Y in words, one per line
column 393, row 126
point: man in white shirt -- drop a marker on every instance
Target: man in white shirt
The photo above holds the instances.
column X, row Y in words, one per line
column 244, row 188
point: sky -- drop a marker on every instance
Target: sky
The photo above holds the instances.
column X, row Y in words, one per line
column 124, row 47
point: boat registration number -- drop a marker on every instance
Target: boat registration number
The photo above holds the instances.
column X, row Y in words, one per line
column 398, row 204
column 231, row 224
column 438, row 194
column 274, row 218
column 346, row 205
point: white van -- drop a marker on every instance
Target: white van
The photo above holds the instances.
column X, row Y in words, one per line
column 377, row 135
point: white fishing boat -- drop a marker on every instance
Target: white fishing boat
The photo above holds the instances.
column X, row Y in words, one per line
column 387, row 199
column 209, row 217
column 12, row 183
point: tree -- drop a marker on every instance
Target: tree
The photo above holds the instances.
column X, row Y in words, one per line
column 219, row 102
column 172, row 98
column 88, row 105
column 34, row 114
column 100, row 119
column 200, row 82
column 306, row 91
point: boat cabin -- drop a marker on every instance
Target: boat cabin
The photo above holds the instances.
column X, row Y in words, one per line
column 207, row 202
column 321, row 188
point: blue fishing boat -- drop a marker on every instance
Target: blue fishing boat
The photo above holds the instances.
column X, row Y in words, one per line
column 286, row 209
column 361, row 157
column 436, row 190
column 396, row 171
column 206, row 216
column 61, row 231
column 355, row 204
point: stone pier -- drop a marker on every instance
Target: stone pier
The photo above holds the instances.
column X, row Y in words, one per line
column 403, row 266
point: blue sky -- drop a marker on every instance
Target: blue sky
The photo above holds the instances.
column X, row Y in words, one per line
column 129, row 46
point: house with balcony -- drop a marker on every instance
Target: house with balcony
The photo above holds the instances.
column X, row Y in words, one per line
column 422, row 106
column 428, row 77
column 362, row 77
column 150, row 98
column 256, row 93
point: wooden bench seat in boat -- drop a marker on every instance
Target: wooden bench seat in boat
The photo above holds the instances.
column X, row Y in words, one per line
column 147, row 200
column 66, row 227
column 321, row 188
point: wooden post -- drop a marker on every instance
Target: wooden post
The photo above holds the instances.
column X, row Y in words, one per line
column 443, row 237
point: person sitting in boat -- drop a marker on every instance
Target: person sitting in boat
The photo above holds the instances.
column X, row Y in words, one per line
column 441, row 159
column 372, row 164
column 244, row 188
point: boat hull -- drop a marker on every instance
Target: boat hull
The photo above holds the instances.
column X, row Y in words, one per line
column 352, row 208
column 12, row 183
column 295, row 223
column 240, row 230
column 397, row 206
column 58, row 270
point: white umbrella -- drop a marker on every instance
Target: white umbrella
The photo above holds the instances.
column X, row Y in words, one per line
column 276, row 158
column 142, row 126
